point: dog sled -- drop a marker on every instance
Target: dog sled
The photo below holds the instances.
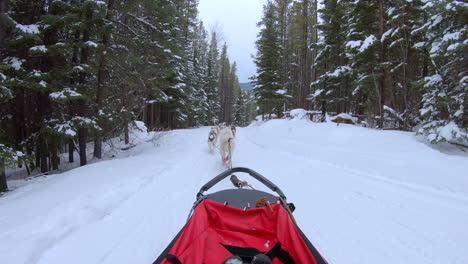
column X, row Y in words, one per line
column 241, row 225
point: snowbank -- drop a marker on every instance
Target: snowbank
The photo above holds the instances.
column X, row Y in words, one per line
column 113, row 148
column 298, row 113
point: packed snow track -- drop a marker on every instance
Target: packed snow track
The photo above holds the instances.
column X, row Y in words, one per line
column 362, row 196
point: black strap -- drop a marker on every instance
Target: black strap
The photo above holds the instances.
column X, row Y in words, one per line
column 278, row 252
column 173, row 259
column 242, row 251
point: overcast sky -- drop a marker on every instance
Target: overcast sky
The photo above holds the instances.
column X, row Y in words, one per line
column 237, row 21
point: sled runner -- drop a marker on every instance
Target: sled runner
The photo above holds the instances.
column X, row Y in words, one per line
column 240, row 224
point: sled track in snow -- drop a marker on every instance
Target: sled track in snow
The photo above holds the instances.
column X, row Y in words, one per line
column 423, row 190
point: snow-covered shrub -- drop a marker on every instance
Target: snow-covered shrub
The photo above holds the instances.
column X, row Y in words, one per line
column 298, row 113
column 443, row 131
column 138, row 130
column 9, row 157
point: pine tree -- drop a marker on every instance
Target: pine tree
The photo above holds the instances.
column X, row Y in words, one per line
column 332, row 87
column 267, row 89
column 23, row 74
column 363, row 49
column 282, row 10
column 8, row 157
column 224, row 83
column 244, row 110
column 404, row 60
column 102, row 80
column 445, row 87
column 232, row 92
column 212, row 81
column 199, row 61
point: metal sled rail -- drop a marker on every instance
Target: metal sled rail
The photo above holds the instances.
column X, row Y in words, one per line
column 252, row 173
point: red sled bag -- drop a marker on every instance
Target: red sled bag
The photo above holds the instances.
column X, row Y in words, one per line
column 240, row 224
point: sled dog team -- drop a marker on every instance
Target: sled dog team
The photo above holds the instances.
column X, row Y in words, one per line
column 222, row 137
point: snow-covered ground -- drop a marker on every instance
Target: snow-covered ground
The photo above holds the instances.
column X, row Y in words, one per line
column 113, row 148
column 362, row 196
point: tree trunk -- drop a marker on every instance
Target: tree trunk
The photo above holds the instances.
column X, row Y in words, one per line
column 3, row 9
column 29, row 152
column 18, row 105
column 42, row 143
column 315, row 40
column 102, row 72
column 324, row 111
column 54, row 158
column 283, row 19
column 145, row 115
column 127, row 138
column 382, row 58
column 83, row 131
column 3, row 180
column 82, row 134
column 49, row 161
column 43, row 153
column 305, row 74
column 426, row 59
column 71, row 148
column 98, row 145
column 151, row 116
column 38, row 154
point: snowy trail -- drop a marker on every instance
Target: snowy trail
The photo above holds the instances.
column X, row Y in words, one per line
column 362, row 196
column 368, row 216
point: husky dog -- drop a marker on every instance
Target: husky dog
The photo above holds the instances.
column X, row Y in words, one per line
column 233, row 129
column 213, row 138
column 226, row 145
column 221, row 126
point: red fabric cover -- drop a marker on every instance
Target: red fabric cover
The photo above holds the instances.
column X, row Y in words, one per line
column 214, row 224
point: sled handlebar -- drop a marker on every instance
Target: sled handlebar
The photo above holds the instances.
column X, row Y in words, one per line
column 252, row 173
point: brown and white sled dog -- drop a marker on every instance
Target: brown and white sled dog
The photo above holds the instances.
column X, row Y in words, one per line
column 213, row 138
column 227, row 145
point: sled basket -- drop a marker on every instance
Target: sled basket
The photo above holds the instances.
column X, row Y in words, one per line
column 233, row 223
